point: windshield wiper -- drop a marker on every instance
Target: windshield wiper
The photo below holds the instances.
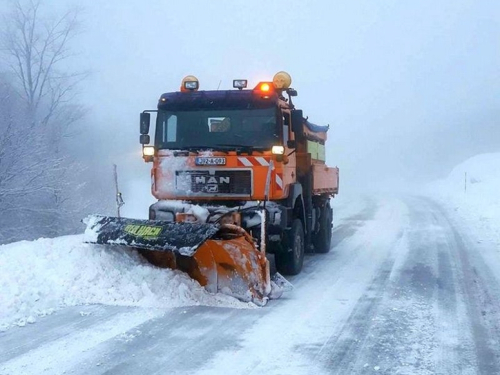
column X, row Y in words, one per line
column 199, row 148
column 224, row 147
column 237, row 146
column 244, row 148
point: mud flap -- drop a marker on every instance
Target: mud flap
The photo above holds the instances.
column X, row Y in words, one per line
column 184, row 238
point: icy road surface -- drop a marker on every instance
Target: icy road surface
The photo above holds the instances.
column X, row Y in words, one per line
column 406, row 289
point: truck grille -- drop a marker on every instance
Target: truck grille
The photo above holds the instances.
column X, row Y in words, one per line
column 219, row 182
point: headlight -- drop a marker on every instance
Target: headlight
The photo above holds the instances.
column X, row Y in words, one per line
column 148, row 151
column 278, row 150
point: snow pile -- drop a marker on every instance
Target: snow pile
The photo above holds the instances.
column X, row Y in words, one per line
column 92, row 229
column 473, row 190
column 39, row 277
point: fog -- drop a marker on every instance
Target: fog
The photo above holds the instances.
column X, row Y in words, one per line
column 409, row 89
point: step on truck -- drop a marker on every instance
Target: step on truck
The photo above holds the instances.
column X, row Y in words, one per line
column 240, row 176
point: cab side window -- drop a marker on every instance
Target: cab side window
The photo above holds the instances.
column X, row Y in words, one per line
column 170, row 129
column 286, row 128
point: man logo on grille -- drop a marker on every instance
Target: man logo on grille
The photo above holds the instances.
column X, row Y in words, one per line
column 212, row 188
column 212, row 180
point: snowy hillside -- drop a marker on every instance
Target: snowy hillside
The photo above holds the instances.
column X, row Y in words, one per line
column 476, row 197
column 39, row 277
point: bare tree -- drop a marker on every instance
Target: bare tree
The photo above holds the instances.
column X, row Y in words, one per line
column 35, row 48
column 37, row 179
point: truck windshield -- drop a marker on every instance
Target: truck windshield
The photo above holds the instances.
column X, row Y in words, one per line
column 217, row 129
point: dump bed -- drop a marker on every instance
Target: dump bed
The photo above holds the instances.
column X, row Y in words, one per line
column 325, row 179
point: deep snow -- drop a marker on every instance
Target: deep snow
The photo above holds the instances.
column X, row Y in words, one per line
column 39, row 277
column 42, row 276
column 404, row 290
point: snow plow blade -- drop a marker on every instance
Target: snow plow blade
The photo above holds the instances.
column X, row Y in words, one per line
column 223, row 259
column 184, row 237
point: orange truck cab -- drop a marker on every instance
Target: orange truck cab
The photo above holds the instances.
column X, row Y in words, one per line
column 238, row 149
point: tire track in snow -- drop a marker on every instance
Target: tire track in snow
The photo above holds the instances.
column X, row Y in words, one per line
column 324, row 298
column 437, row 313
column 413, row 331
column 20, row 340
column 404, row 338
column 455, row 353
column 481, row 292
column 178, row 342
column 340, row 354
column 60, row 355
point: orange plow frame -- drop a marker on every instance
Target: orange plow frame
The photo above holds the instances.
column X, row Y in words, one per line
column 230, row 263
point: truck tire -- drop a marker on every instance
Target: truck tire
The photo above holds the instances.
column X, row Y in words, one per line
column 323, row 239
column 290, row 263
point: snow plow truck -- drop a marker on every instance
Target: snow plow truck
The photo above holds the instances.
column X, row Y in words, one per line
column 240, row 176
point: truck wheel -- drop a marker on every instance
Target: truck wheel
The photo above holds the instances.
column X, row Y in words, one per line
column 290, row 263
column 323, row 239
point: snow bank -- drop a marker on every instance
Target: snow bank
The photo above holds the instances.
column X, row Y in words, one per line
column 477, row 197
column 39, row 277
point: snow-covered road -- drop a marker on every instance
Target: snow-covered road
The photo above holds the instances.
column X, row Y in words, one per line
column 406, row 289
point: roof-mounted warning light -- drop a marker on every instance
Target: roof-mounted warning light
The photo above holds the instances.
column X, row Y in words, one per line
column 240, row 84
column 190, row 83
column 264, row 89
column 282, row 80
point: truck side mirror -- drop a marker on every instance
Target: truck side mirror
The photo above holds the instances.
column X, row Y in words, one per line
column 145, row 120
column 291, row 143
column 144, row 139
column 297, row 122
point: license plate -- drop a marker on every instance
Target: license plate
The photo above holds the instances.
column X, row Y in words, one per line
column 210, row 161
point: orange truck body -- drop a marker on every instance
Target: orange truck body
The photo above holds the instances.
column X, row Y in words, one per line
column 283, row 175
column 240, row 177
column 288, row 177
column 285, row 169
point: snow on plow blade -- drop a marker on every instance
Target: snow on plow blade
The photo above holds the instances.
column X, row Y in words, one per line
column 148, row 234
column 221, row 258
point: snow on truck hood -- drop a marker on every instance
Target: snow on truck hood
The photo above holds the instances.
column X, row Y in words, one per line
column 39, row 277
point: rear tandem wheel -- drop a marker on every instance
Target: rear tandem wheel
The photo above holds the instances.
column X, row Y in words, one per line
column 323, row 239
